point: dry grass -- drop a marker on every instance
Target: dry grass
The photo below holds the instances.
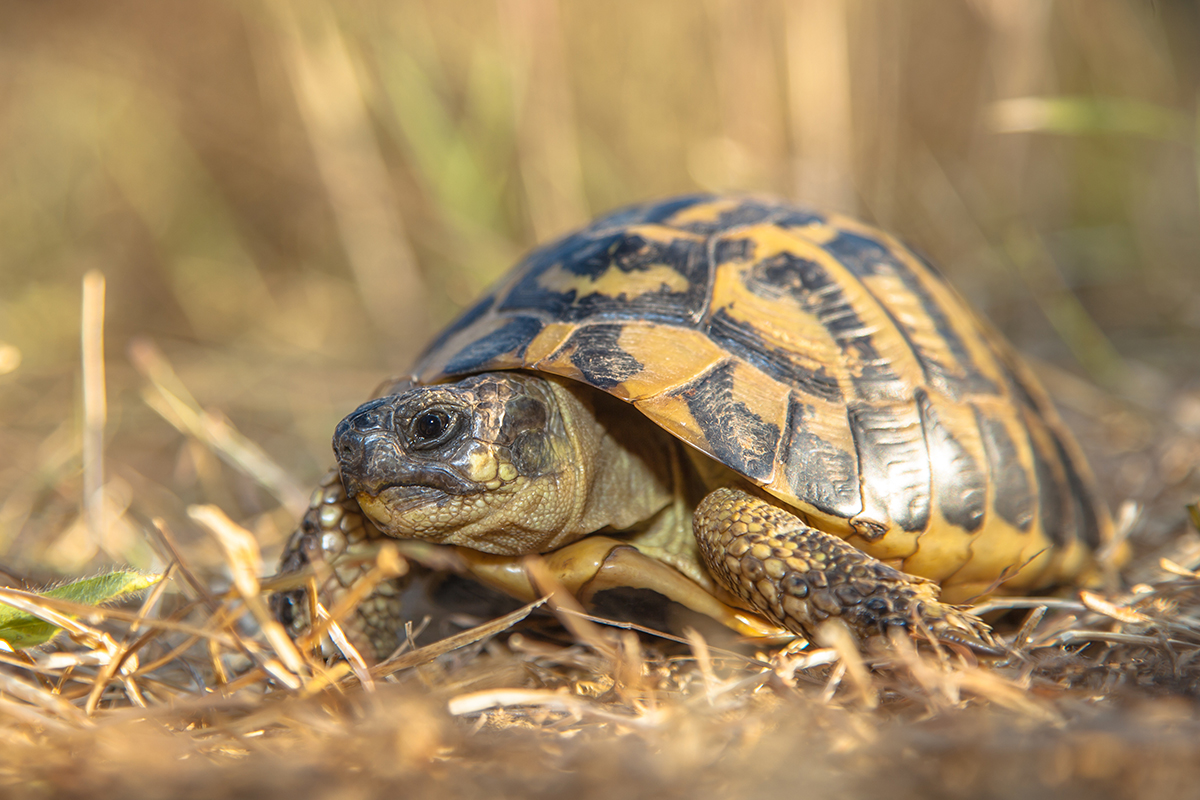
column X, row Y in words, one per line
column 285, row 199
column 186, row 699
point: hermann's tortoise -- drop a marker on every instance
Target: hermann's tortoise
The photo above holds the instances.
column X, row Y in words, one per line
column 770, row 415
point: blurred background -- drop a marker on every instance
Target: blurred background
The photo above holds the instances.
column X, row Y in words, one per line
column 287, row 199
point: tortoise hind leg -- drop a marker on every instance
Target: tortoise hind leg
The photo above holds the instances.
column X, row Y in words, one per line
column 799, row 577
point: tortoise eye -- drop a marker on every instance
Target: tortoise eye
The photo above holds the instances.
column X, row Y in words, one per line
column 431, row 428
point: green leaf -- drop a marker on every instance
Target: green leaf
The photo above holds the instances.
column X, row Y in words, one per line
column 21, row 630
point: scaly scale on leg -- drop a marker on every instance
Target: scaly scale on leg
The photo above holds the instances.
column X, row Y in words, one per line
column 334, row 530
column 799, row 577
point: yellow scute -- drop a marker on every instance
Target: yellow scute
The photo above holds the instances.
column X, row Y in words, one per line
column 669, row 356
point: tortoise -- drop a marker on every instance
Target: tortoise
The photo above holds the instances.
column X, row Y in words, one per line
column 771, row 415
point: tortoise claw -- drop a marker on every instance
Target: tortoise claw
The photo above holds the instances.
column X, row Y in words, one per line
column 956, row 626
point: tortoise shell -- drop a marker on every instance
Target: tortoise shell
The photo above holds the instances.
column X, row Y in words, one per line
column 821, row 359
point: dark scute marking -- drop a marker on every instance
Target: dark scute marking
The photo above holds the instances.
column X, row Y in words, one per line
column 621, row 250
column 527, row 295
column 893, row 463
column 747, row 212
column 818, row 293
column 1070, row 509
column 464, row 321
column 1014, row 499
column 590, row 257
column 959, row 484
column 600, row 358
column 1081, row 498
column 513, row 337
column 743, row 340
column 739, row 438
column 656, row 212
column 792, row 217
column 1022, row 390
column 787, row 274
column 632, row 253
column 866, row 257
column 728, row 250
column 819, row 472
column 1055, row 511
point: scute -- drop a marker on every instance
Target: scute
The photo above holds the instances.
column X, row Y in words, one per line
column 818, row 357
column 597, row 354
column 738, row 417
column 959, row 480
column 1016, row 502
column 820, row 462
column 784, row 364
column 508, row 340
column 638, row 272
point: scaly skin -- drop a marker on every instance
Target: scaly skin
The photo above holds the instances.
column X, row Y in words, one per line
column 799, row 577
column 333, row 529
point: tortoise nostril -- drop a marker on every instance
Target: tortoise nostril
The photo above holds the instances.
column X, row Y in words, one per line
column 348, row 446
column 349, row 438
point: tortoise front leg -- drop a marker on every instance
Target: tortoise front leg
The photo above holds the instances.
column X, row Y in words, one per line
column 799, row 577
column 598, row 563
column 339, row 543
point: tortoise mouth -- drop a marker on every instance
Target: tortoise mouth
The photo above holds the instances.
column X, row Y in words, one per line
column 393, row 508
column 406, row 484
column 401, row 499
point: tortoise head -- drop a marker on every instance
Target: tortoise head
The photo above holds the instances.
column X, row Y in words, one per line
column 485, row 462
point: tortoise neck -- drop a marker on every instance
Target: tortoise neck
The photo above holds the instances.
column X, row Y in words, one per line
column 623, row 462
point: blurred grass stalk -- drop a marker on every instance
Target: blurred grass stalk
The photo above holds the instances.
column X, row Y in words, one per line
column 547, row 141
column 1082, row 116
column 168, row 396
column 1025, row 249
column 354, row 172
column 819, row 93
column 1078, row 116
column 95, row 404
